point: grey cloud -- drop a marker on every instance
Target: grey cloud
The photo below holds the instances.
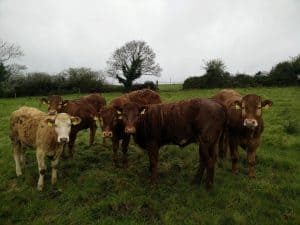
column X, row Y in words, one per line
column 248, row 35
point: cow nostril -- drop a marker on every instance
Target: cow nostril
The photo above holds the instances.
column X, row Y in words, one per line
column 130, row 130
column 64, row 139
column 107, row 134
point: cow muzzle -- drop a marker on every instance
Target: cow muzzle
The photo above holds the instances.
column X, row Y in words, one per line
column 130, row 130
column 107, row 134
column 52, row 112
column 63, row 139
column 250, row 123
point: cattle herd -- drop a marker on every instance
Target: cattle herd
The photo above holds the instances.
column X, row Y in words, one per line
column 217, row 124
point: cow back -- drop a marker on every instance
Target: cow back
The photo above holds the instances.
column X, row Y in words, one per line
column 180, row 123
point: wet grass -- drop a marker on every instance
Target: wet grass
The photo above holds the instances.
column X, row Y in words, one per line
column 90, row 190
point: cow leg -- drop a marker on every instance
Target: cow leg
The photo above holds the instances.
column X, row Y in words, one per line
column 202, row 164
column 234, row 155
column 201, row 168
column 211, row 165
column 40, row 156
column 251, row 155
column 115, row 142
column 54, row 164
column 70, row 151
column 93, row 129
column 17, row 153
column 153, row 158
column 223, row 149
column 125, row 144
column 23, row 158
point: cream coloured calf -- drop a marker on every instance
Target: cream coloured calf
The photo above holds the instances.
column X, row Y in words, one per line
column 48, row 134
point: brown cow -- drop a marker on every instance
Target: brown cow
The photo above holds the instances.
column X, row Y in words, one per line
column 86, row 107
column 112, row 125
column 245, row 125
column 194, row 121
column 55, row 102
column 77, row 107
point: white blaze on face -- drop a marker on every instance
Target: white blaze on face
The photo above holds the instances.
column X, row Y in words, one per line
column 62, row 126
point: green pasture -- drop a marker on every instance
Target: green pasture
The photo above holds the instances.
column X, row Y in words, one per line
column 90, row 190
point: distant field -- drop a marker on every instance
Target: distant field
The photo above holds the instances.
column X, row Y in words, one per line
column 91, row 191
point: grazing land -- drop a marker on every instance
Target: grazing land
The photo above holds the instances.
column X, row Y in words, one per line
column 90, row 190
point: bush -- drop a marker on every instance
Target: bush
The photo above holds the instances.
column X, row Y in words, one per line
column 146, row 84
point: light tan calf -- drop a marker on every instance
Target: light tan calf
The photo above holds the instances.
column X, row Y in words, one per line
column 23, row 126
column 48, row 134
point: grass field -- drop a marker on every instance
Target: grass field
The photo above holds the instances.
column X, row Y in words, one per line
column 91, row 191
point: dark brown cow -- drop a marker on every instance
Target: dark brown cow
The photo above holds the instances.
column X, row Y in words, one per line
column 78, row 107
column 245, row 125
column 55, row 102
column 112, row 125
column 195, row 121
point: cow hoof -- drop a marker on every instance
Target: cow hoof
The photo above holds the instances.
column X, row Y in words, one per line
column 235, row 171
column 209, row 187
column 252, row 175
column 40, row 188
column 153, row 181
column 196, row 181
column 220, row 164
column 19, row 174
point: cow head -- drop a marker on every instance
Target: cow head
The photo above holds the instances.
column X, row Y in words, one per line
column 55, row 104
column 107, row 115
column 251, row 109
column 130, row 114
column 62, row 125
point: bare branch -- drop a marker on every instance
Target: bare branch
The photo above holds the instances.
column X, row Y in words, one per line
column 9, row 51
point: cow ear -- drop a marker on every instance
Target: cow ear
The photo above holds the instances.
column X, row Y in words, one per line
column 65, row 103
column 50, row 121
column 265, row 104
column 44, row 101
column 143, row 109
column 75, row 120
column 237, row 105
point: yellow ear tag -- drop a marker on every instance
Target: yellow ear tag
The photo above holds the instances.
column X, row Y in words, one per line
column 143, row 112
column 119, row 112
column 49, row 124
column 95, row 118
column 237, row 107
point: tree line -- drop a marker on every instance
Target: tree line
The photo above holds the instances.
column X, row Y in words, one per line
column 286, row 73
column 128, row 63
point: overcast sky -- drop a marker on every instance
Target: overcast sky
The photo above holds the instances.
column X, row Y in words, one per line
column 247, row 35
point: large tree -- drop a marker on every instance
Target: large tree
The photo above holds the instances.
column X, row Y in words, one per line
column 216, row 76
column 131, row 61
column 9, row 51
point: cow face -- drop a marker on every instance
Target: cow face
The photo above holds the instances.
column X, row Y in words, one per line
column 130, row 113
column 55, row 104
column 251, row 109
column 62, row 125
column 107, row 115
